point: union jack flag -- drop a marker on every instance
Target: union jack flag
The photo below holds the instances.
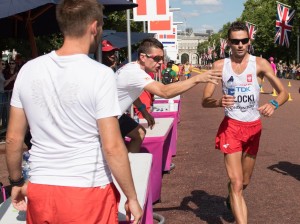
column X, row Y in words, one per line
column 223, row 45
column 284, row 25
column 252, row 30
column 209, row 52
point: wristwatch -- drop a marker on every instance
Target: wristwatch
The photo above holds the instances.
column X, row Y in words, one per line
column 142, row 107
column 17, row 183
column 274, row 103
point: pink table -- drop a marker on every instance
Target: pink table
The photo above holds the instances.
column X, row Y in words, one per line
column 163, row 112
column 157, row 142
column 177, row 99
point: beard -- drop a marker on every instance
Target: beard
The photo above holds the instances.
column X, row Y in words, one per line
column 95, row 45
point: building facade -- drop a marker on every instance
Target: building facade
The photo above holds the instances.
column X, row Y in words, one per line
column 188, row 44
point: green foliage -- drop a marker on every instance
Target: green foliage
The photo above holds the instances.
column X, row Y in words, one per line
column 45, row 44
column 262, row 13
column 117, row 21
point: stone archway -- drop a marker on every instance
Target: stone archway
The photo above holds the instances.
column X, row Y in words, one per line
column 195, row 59
column 184, row 58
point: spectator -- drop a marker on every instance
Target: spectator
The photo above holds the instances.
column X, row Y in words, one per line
column 168, row 74
column 175, row 68
column 280, row 73
column 273, row 65
column 187, row 69
column 133, row 78
column 76, row 142
column 11, row 72
column 109, row 57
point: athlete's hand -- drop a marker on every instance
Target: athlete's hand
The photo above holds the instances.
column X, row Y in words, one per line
column 227, row 101
column 267, row 109
column 133, row 207
column 210, row 76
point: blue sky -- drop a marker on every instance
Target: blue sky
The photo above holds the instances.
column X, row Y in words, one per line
column 202, row 15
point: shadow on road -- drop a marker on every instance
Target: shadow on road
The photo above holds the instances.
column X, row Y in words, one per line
column 287, row 168
column 209, row 208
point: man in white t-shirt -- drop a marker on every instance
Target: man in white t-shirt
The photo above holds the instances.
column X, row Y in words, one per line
column 76, row 143
column 132, row 79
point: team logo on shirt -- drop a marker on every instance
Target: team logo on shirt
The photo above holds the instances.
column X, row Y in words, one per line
column 249, row 78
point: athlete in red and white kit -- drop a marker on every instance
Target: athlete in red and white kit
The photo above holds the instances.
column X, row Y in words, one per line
column 239, row 133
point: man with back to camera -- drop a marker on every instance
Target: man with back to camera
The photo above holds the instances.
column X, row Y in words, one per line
column 239, row 133
column 132, row 79
column 76, row 142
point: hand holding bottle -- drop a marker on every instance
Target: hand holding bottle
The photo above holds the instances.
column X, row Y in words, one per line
column 227, row 101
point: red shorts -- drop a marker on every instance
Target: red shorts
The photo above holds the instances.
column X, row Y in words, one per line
column 236, row 136
column 58, row 204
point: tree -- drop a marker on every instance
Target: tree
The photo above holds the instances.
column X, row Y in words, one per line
column 214, row 38
column 118, row 21
column 263, row 14
column 114, row 21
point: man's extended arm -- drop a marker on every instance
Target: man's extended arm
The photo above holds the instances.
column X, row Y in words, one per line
column 174, row 89
column 210, row 102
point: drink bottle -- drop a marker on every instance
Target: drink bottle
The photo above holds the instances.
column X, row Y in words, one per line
column 230, row 86
column 171, row 105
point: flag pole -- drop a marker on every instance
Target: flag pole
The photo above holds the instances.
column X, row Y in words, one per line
column 283, row 4
column 250, row 23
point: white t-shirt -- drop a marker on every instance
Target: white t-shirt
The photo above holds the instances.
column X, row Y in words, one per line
column 246, row 91
column 131, row 80
column 63, row 96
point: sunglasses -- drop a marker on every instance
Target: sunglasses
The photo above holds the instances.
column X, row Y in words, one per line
column 155, row 58
column 12, row 63
column 237, row 41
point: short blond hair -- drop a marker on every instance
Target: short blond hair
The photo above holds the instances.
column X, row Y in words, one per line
column 73, row 16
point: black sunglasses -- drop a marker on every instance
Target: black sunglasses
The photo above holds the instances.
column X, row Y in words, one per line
column 11, row 63
column 155, row 58
column 237, row 41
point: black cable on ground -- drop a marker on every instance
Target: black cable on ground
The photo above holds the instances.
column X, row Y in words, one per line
column 159, row 218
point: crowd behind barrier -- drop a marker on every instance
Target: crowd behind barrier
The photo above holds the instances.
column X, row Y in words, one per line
column 288, row 72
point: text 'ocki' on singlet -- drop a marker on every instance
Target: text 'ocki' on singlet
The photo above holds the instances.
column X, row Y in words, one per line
column 246, row 91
